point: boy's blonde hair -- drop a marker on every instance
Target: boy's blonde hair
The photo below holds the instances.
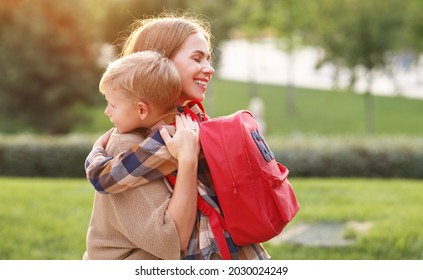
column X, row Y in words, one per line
column 144, row 76
column 165, row 34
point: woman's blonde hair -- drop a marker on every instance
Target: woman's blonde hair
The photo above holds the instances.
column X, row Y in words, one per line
column 165, row 33
column 146, row 76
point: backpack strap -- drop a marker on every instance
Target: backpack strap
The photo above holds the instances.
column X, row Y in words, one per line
column 217, row 223
column 187, row 111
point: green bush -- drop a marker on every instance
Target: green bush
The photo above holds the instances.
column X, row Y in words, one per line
column 351, row 156
column 44, row 156
column 304, row 156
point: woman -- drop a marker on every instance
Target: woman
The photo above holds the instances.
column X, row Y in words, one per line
column 186, row 41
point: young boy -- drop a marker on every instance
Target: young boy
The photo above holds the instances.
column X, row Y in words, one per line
column 141, row 90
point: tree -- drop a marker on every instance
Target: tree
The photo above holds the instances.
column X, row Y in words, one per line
column 357, row 35
column 284, row 20
column 413, row 32
column 48, row 63
column 251, row 22
column 288, row 21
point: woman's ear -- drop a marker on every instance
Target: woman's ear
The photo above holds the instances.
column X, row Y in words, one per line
column 143, row 110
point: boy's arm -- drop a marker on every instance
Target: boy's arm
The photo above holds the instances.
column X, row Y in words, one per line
column 142, row 163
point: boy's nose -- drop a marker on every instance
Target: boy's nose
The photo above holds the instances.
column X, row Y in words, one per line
column 106, row 111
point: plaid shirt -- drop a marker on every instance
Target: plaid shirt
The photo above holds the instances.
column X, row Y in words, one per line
column 150, row 160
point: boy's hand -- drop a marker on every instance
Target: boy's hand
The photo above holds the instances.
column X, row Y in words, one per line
column 103, row 139
column 185, row 144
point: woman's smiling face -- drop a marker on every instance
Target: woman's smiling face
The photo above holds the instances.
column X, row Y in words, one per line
column 193, row 63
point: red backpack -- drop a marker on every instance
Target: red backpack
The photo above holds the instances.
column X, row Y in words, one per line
column 255, row 196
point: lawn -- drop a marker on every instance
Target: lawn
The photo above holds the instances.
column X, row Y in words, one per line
column 43, row 218
column 47, row 218
column 393, row 207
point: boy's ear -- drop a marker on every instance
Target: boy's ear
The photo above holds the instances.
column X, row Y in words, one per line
column 143, row 110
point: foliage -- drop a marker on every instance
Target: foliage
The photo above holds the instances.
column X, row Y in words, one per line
column 47, row 219
column 48, row 63
column 286, row 20
column 413, row 28
column 350, row 32
column 251, row 18
column 27, row 155
column 350, row 157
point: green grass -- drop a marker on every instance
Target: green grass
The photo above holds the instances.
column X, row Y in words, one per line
column 316, row 111
column 43, row 218
column 48, row 218
column 322, row 111
column 394, row 207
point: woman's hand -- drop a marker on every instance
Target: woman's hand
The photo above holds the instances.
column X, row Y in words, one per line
column 103, row 139
column 186, row 141
column 185, row 147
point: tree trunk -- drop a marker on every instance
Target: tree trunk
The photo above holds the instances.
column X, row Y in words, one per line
column 290, row 88
column 370, row 113
column 370, row 107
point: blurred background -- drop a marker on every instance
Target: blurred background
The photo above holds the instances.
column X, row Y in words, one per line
column 53, row 53
column 337, row 86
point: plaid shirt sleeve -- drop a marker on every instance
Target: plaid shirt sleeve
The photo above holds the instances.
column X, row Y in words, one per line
column 142, row 163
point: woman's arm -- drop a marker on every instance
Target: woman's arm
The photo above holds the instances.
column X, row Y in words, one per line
column 185, row 147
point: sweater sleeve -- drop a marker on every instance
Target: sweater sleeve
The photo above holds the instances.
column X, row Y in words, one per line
column 144, row 220
column 133, row 225
column 153, row 229
column 140, row 164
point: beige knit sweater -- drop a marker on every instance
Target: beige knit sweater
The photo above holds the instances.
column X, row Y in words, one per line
column 133, row 224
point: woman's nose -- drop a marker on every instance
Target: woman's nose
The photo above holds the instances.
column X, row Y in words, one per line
column 208, row 69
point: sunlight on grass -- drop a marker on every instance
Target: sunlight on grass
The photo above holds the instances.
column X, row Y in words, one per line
column 43, row 218
column 47, row 218
column 392, row 206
